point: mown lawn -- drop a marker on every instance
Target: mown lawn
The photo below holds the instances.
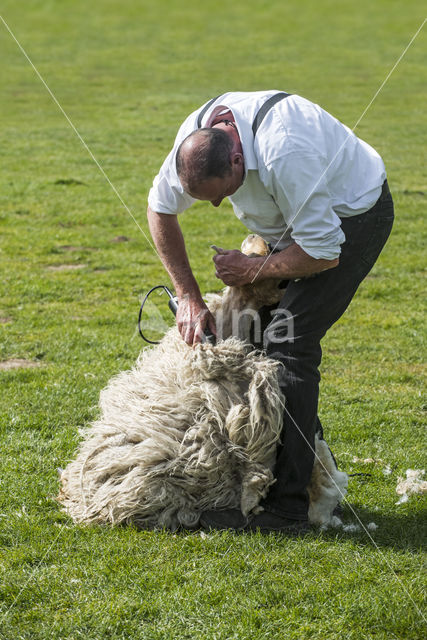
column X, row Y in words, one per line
column 74, row 266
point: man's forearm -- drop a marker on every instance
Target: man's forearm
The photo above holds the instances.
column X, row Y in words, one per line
column 169, row 241
column 292, row 262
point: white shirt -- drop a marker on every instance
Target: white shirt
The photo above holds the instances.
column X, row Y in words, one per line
column 304, row 170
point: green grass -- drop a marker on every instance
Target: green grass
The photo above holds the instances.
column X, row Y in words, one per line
column 127, row 74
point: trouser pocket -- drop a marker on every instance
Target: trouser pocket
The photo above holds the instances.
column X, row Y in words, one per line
column 367, row 233
column 380, row 228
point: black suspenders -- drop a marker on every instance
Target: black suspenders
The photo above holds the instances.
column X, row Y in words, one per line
column 259, row 116
column 203, row 111
column 266, row 108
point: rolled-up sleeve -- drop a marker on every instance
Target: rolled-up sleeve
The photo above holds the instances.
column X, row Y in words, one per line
column 166, row 195
column 298, row 183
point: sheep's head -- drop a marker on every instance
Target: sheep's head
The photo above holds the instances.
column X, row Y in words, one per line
column 233, row 311
column 262, row 292
column 254, row 246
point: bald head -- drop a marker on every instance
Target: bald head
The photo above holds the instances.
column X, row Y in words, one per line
column 204, row 154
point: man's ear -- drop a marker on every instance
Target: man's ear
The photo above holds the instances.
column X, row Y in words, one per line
column 237, row 159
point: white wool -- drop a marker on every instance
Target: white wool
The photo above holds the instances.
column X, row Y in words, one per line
column 185, row 430
column 190, row 429
column 336, row 522
column 351, row 528
column 412, row 484
column 367, row 460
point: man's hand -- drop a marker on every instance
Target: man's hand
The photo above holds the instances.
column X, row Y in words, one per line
column 234, row 268
column 192, row 317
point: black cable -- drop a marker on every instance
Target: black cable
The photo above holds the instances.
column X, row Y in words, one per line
column 171, row 296
column 206, row 336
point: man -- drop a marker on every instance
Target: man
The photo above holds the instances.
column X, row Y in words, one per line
column 303, row 181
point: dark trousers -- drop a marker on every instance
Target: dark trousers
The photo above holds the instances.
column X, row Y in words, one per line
column 309, row 307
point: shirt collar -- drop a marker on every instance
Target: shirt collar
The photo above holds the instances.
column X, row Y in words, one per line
column 244, row 129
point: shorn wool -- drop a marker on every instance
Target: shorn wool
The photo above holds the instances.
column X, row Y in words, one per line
column 191, row 429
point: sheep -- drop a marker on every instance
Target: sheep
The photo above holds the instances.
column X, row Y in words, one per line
column 192, row 429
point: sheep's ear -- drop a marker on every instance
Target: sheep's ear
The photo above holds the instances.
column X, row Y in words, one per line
column 254, row 246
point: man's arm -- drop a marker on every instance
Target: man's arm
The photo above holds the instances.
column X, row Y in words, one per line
column 236, row 269
column 192, row 315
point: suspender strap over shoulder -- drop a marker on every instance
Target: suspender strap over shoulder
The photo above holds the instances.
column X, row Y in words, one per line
column 259, row 116
column 203, row 111
column 266, row 108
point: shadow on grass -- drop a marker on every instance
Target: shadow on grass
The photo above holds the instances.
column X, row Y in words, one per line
column 399, row 531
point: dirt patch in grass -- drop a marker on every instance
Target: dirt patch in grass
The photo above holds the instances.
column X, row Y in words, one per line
column 121, row 239
column 5, row 319
column 71, row 247
column 65, row 267
column 18, row 363
column 69, row 182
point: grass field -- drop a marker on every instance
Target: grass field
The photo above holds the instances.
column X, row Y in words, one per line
column 74, row 266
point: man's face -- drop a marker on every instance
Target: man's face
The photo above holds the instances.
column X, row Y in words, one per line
column 216, row 189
